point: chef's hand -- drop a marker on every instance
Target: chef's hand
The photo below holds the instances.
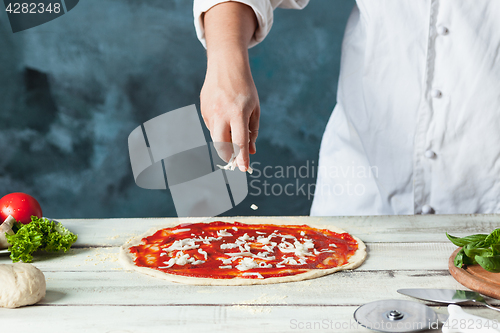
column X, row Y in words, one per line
column 229, row 100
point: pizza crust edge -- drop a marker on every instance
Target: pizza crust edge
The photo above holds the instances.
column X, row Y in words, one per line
column 127, row 260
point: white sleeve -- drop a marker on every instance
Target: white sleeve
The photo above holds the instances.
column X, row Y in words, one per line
column 263, row 11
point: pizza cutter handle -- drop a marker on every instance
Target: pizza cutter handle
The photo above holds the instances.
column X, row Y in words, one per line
column 460, row 321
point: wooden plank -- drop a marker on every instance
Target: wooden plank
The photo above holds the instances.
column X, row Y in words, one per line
column 151, row 319
column 343, row 288
column 401, row 228
column 381, row 256
column 87, row 289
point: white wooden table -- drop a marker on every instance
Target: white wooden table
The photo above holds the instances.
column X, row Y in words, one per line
column 89, row 291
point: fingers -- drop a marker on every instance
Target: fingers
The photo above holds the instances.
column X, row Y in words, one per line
column 240, row 137
column 253, row 126
column 221, row 137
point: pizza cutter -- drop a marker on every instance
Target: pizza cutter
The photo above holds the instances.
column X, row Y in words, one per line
column 408, row 316
column 397, row 316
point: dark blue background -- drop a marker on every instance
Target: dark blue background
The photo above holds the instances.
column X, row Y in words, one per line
column 72, row 90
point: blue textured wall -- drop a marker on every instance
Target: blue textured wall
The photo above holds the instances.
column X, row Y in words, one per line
column 72, row 89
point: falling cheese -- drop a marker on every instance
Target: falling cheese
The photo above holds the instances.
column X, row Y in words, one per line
column 231, row 165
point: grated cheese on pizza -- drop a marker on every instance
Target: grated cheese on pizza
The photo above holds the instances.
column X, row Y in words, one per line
column 222, row 250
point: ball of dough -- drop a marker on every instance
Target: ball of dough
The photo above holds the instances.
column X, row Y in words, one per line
column 20, row 284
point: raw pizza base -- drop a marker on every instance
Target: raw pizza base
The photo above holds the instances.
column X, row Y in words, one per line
column 127, row 260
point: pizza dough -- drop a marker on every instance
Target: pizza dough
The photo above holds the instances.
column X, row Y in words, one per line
column 6, row 227
column 20, row 284
column 127, row 259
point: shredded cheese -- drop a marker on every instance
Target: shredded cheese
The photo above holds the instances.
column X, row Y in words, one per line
column 242, row 254
column 231, row 165
column 264, row 265
column 224, row 233
column 205, row 254
column 225, row 246
column 182, row 244
column 291, row 261
column 180, row 230
column 245, row 237
column 298, row 248
column 259, row 276
column 181, row 259
column 245, row 259
column 246, row 264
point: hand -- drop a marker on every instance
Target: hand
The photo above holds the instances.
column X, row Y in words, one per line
column 229, row 100
column 230, row 108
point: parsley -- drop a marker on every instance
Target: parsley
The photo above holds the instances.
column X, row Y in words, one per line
column 39, row 234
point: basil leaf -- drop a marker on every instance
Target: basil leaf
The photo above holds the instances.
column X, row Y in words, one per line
column 491, row 264
column 466, row 240
column 477, row 249
column 493, row 238
column 495, row 249
column 462, row 260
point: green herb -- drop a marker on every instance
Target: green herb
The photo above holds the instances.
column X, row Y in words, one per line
column 466, row 240
column 491, row 264
column 39, row 234
column 478, row 249
column 461, row 260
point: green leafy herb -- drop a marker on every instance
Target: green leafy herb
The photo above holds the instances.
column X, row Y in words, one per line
column 466, row 240
column 478, row 249
column 491, row 264
column 494, row 237
column 462, row 260
column 39, row 234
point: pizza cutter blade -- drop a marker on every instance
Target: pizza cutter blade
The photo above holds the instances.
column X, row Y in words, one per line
column 396, row 316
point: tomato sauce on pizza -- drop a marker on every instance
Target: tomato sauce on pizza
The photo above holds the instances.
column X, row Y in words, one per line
column 222, row 250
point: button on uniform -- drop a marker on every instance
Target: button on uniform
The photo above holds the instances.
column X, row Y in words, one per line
column 442, row 30
column 458, row 42
column 430, row 154
column 436, row 93
column 426, row 209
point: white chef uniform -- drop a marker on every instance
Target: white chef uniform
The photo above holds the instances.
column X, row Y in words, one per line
column 416, row 128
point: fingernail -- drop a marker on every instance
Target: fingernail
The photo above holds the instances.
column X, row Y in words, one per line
column 242, row 168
